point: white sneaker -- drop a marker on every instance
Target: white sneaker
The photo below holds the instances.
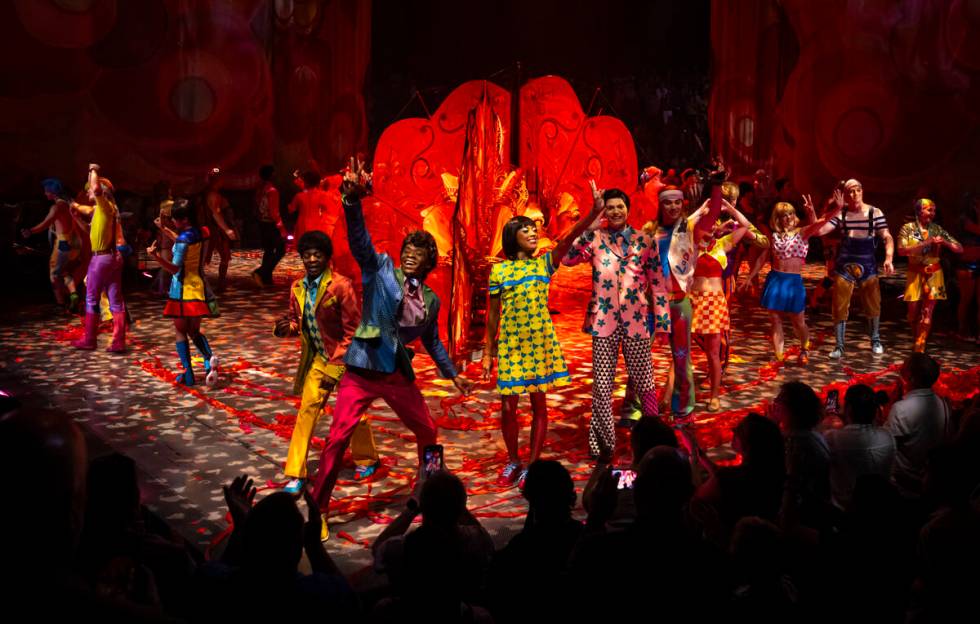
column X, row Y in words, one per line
column 212, row 377
column 294, row 487
column 877, row 348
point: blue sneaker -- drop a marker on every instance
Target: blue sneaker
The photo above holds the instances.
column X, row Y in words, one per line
column 294, row 487
column 363, row 472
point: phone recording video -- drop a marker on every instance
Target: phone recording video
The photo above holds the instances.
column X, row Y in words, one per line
column 833, row 402
column 624, row 478
column 432, row 459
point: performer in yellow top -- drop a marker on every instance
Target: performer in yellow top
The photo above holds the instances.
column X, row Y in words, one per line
column 105, row 267
column 922, row 241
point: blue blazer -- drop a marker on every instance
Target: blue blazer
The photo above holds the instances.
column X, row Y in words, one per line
column 379, row 343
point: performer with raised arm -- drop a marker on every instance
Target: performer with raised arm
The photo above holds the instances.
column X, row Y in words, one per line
column 625, row 264
column 783, row 292
column 529, row 357
column 398, row 308
column 923, row 241
column 861, row 225
column 105, row 267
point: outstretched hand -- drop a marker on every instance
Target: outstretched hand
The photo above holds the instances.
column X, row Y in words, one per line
column 839, row 198
column 355, row 180
column 239, row 495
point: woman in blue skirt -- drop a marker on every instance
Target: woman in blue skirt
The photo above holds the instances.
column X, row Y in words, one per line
column 783, row 292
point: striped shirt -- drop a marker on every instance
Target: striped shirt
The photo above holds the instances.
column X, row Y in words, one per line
column 862, row 225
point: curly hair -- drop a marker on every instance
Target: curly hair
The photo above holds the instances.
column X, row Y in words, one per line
column 423, row 240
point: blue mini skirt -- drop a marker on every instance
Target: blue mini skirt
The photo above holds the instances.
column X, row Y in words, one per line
column 784, row 292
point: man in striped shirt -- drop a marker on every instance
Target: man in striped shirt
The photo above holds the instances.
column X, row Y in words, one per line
column 861, row 225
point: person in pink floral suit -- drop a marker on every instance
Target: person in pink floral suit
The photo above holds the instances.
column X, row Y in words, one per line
column 625, row 264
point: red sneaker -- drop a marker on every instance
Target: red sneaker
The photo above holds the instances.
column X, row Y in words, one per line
column 510, row 474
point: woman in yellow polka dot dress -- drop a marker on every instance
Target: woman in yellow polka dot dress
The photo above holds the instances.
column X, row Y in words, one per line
column 529, row 357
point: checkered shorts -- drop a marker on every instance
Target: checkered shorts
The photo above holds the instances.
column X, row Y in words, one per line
column 710, row 313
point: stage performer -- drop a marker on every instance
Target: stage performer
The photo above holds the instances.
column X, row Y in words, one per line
column 271, row 228
column 218, row 223
column 625, row 264
column 710, row 316
column 105, row 267
column 310, row 203
column 529, row 357
column 324, row 311
column 968, row 268
column 190, row 298
column 67, row 247
column 861, row 225
column 398, row 308
column 783, row 292
column 922, row 241
column 672, row 233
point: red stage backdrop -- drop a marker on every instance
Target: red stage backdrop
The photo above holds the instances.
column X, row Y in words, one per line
column 884, row 91
column 158, row 89
column 452, row 175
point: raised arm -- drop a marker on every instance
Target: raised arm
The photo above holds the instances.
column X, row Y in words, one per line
column 575, row 237
column 359, row 241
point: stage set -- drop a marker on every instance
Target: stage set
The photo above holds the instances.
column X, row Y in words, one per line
column 479, row 156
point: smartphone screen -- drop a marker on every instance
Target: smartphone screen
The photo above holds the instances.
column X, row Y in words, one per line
column 624, row 478
column 833, row 401
column 432, row 459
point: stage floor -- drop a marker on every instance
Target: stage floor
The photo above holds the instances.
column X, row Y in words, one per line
column 188, row 442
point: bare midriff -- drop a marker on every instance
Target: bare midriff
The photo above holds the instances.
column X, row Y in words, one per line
column 706, row 284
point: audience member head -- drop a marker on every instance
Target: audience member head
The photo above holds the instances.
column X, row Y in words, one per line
column 41, row 525
column 549, row 491
column 442, row 500
column 663, row 485
column 273, row 537
column 797, row 406
column 920, row 371
column 759, row 441
column 861, row 404
column 647, row 433
column 113, row 495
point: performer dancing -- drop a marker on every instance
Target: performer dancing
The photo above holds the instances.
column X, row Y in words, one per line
column 783, row 292
column 324, row 311
column 217, row 215
column 625, row 263
column 190, row 298
column 67, row 244
column 310, row 202
column 529, row 356
column 105, row 267
column 710, row 307
column 861, row 225
column 398, row 308
column 271, row 229
column 922, row 241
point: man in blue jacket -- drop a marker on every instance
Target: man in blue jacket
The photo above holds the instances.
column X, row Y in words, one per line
column 398, row 309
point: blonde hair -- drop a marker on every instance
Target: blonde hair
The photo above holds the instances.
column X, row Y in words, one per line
column 781, row 209
column 729, row 192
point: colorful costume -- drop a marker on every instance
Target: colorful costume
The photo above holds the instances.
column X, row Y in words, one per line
column 925, row 281
column 190, row 296
column 925, row 273
column 784, row 292
column 104, row 275
column 711, row 307
column 677, row 261
column 857, row 267
column 325, row 312
column 396, row 311
column 625, row 264
column 529, row 357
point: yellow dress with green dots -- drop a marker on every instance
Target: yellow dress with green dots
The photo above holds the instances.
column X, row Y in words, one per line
column 529, row 357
